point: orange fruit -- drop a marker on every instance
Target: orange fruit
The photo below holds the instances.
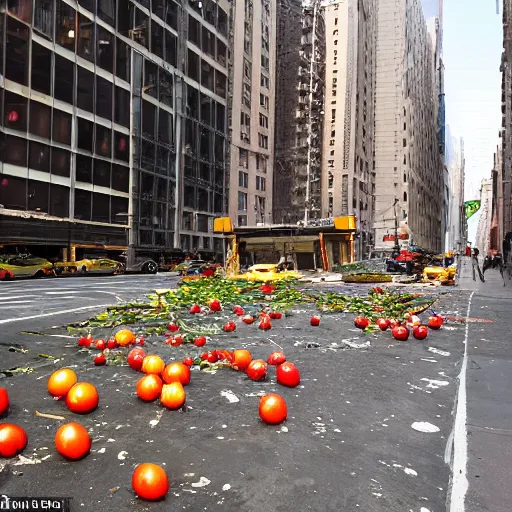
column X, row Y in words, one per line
column 149, row 387
column 173, row 395
column 82, row 398
column 176, row 372
column 61, row 381
column 124, row 337
column 153, row 364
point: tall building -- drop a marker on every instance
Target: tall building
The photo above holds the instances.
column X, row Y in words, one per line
column 114, row 122
column 456, row 233
column 348, row 138
column 483, row 234
column 300, row 63
column 408, row 177
column 252, row 105
column 506, row 132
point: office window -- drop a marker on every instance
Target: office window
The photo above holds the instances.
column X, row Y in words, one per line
column 39, row 156
column 40, row 120
column 242, row 220
column 260, row 183
column 148, row 119
column 105, row 50
column 38, row 195
column 157, row 39
column 103, row 141
column 16, row 58
column 220, row 84
column 165, row 88
column 264, row 81
column 171, row 16
column 43, row 17
column 103, row 98
column 101, row 173
column 122, row 107
column 85, row 89
column 207, row 75
column 22, row 9
column 194, row 31
column 263, row 141
column 64, row 79
column 61, row 127
column 60, row 162
column 83, row 168
column 120, row 178
column 100, row 207
column 15, row 111
column 59, row 200
column 85, row 38
column 41, row 68
column 171, row 44
column 243, row 179
column 263, row 121
column 140, row 34
column 85, row 134
column 221, row 53
column 122, row 60
column 107, row 11
column 242, row 201
column 121, row 146
column 263, row 101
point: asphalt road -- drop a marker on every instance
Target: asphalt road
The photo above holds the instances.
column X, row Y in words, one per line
column 348, row 444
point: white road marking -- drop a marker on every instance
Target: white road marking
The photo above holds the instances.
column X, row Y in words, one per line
column 16, row 302
column 10, row 297
column 54, row 313
column 460, row 437
column 61, row 293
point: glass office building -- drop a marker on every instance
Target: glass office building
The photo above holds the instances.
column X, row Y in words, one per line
column 113, row 123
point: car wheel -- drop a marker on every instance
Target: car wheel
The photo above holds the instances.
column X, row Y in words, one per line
column 83, row 270
column 150, row 268
column 7, row 277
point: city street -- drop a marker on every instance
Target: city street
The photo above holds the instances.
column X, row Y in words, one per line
column 349, row 442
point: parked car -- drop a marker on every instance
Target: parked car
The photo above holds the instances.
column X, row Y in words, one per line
column 99, row 266
column 23, row 265
column 183, row 267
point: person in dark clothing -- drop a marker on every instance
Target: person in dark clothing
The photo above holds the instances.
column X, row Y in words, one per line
column 474, row 262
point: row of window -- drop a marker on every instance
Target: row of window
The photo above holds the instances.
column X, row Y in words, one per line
column 259, row 203
column 203, row 172
column 205, row 74
column 22, row 194
column 243, row 181
column 57, row 161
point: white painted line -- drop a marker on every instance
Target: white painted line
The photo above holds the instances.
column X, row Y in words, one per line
column 15, row 302
column 54, row 313
column 460, row 436
column 61, row 293
column 9, row 297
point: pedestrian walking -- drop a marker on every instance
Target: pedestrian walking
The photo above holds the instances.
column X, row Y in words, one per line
column 476, row 266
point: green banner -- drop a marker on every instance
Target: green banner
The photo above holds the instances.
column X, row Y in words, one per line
column 471, row 207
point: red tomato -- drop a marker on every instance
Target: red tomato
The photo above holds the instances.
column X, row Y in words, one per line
column 135, row 358
column 265, row 323
column 315, row 321
column 361, row 322
column 200, row 341
column 111, row 344
column 400, row 333
column 153, row 364
column 4, row 401
column 241, row 359
column 229, row 327
column 82, row 398
column 393, row 323
column 195, row 309
column 100, row 344
column 13, row 439
column 214, row 305
column 140, row 341
column 383, row 324
column 176, row 341
column 238, row 310
column 211, row 357
column 173, row 327
column 276, row 358
column 273, row 409
column 73, row 441
column 176, row 372
column 248, row 319
column 275, row 315
column 435, row 322
column 149, row 387
column 84, row 342
column 288, row 375
column 173, row 395
column 257, row 369
column 61, row 381
column 150, row 482
column 100, row 360
column 420, row 332
column 267, row 289
column 188, row 361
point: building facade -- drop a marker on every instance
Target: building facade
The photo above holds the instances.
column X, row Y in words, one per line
column 483, row 234
column 408, row 174
column 300, row 71
column 506, row 131
column 252, row 106
column 348, row 138
column 456, row 233
column 114, row 121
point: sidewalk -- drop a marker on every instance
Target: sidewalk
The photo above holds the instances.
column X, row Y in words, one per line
column 489, row 381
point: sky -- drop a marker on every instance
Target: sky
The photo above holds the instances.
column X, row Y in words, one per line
column 473, row 41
